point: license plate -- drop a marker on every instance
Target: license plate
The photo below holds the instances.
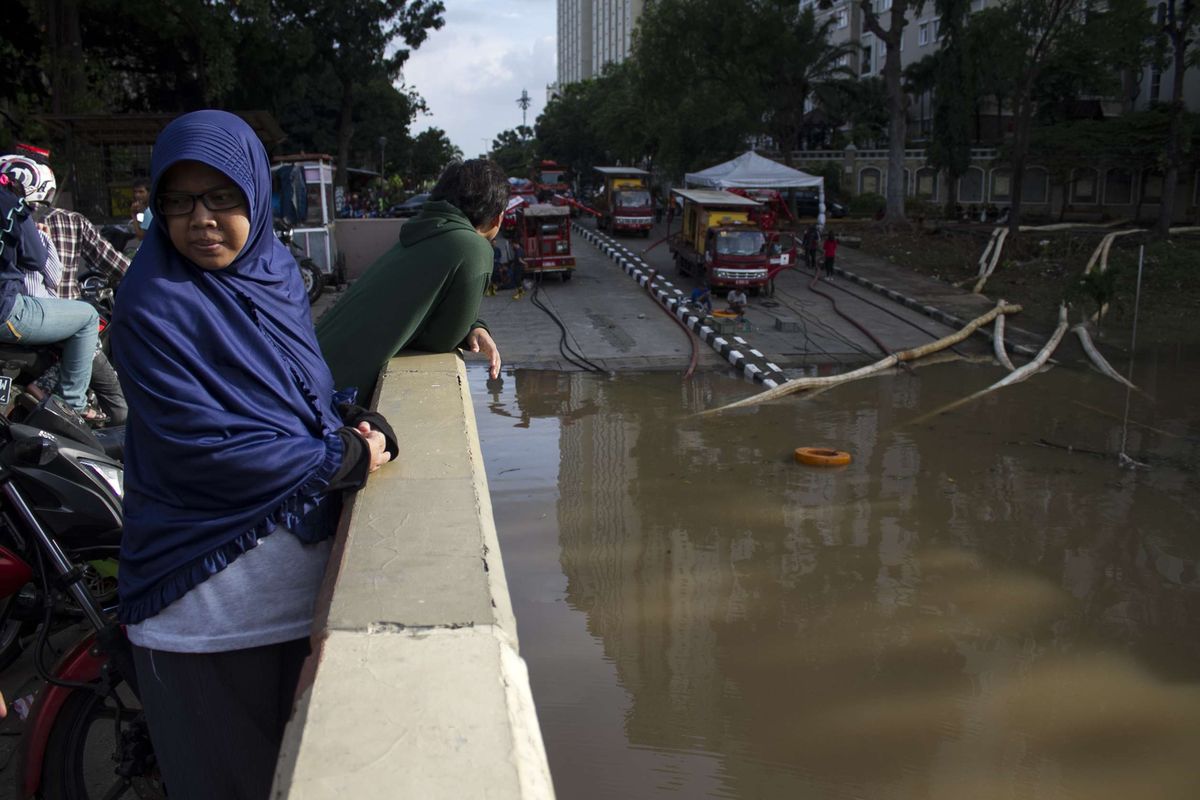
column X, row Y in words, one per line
column 5, row 390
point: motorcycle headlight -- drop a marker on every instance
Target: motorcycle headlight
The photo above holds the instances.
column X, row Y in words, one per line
column 113, row 476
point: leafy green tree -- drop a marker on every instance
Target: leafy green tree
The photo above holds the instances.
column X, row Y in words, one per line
column 897, row 98
column 1181, row 28
column 513, row 150
column 353, row 40
column 954, row 98
column 430, row 152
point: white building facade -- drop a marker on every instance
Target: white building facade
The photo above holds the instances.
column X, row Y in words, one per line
column 593, row 34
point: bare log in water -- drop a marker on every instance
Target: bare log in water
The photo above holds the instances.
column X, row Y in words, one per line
column 1098, row 361
column 1017, row 375
column 801, row 384
column 998, row 343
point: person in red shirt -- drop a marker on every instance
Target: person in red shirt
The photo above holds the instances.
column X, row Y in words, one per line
column 831, row 246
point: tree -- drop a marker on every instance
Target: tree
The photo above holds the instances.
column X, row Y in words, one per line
column 897, row 97
column 1181, row 27
column 1039, row 28
column 513, row 150
column 953, row 105
column 352, row 39
column 430, row 152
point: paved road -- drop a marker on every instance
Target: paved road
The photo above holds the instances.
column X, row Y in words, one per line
column 799, row 329
column 611, row 321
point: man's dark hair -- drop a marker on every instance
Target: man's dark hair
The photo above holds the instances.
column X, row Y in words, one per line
column 477, row 187
column 142, row 181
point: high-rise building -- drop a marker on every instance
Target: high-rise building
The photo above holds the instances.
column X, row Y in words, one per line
column 593, row 33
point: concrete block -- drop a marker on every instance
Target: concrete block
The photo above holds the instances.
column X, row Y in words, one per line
column 430, row 714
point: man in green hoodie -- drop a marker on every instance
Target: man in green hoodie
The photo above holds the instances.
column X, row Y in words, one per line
column 424, row 293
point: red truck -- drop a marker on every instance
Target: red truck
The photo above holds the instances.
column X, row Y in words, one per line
column 624, row 201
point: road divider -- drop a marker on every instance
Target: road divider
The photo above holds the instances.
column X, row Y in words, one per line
column 744, row 358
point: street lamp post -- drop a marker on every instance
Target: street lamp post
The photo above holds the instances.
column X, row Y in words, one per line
column 382, row 144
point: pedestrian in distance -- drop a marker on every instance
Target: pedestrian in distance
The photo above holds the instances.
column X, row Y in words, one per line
column 425, row 292
column 702, row 298
column 237, row 456
column 831, row 248
column 811, row 243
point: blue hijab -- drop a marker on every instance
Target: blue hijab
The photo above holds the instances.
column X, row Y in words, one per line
column 232, row 425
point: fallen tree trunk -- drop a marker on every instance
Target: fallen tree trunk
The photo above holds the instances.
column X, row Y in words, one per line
column 1098, row 361
column 801, row 384
column 1016, row 376
column 996, row 250
column 998, row 343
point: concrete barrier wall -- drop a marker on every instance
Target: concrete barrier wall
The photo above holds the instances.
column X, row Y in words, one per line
column 364, row 240
column 416, row 688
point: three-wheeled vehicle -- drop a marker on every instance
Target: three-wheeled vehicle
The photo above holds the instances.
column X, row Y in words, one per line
column 720, row 242
column 544, row 233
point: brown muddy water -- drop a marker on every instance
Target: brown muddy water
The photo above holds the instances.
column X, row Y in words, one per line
column 960, row 613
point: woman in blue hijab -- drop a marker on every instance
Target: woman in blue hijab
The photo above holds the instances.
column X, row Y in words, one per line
column 237, row 454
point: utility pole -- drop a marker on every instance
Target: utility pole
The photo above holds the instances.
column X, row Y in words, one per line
column 382, row 144
column 523, row 101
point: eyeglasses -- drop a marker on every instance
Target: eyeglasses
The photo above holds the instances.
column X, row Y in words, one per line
column 176, row 204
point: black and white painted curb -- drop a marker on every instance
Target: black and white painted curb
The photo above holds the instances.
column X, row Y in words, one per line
column 941, row 316
column 736, row 350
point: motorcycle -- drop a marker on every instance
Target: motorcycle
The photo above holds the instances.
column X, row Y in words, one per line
column 310, row 273
column 60, row 508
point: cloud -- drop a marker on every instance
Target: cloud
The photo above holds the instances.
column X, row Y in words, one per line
column 472, row 71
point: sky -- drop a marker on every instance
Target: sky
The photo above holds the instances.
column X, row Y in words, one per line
column 472, row 71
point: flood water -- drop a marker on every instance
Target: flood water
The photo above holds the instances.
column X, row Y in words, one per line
column 965, row 611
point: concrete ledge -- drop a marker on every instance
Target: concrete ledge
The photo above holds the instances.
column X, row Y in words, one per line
column 416, row 688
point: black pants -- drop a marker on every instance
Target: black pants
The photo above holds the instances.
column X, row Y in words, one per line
column 829, row 266
column 217, row 719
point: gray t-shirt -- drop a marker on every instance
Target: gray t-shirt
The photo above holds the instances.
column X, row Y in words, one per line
column 266, row 596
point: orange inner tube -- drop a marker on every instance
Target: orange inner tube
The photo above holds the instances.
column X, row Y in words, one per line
column 822, row 457
column 722, row 313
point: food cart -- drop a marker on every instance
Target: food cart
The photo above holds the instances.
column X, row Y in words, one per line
column 314, row 232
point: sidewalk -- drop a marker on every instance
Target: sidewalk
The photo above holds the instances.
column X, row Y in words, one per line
column 937, row 299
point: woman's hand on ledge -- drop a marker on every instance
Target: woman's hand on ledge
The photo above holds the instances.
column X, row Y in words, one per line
column 377, row 445
column 480, row 341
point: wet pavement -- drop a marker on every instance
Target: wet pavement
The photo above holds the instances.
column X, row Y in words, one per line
column 978, row 606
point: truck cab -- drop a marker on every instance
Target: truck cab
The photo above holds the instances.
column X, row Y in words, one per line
column 720, row 243
column 624, row 201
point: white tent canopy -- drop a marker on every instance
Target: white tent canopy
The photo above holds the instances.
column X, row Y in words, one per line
column 752, row 171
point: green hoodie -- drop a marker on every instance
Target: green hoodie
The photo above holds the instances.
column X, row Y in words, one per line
column 422, row 294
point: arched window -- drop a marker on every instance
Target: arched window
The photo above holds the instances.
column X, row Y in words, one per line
column 1084, row 187
column 870, row 181
column 1118, row 187
column 1001, row 185
column 970, row 186
column 927, row 183
column 1035, row 185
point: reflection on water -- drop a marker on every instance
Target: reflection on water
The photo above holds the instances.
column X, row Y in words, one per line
column 966, row 611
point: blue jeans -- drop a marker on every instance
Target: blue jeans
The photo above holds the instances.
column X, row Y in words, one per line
column 42, row 320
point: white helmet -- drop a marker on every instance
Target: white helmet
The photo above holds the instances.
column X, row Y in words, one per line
column 35, row 176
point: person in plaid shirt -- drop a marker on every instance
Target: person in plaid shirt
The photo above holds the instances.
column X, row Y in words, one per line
column 78, row 242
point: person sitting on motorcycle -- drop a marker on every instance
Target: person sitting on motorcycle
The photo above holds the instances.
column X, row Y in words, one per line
column 237, row 455
column 77, row 243
column 32, row 320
